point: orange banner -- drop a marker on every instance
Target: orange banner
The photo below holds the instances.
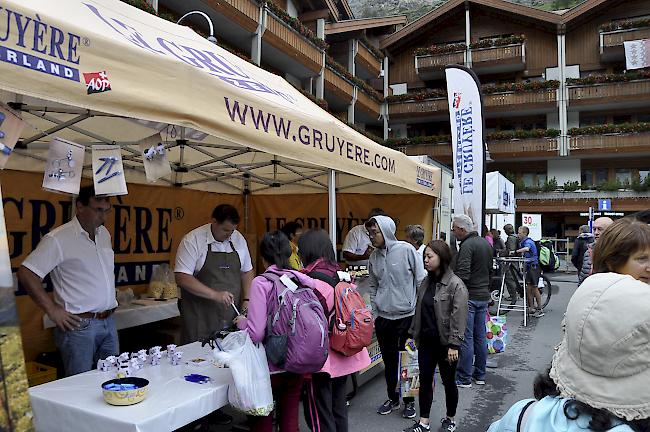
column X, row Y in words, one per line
column 147, row 225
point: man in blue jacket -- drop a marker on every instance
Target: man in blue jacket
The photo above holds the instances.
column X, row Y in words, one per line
column 529, row 251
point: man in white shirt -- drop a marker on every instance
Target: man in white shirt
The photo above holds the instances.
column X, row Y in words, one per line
column 357, row 246
column 214, row 270
column 415, row 236
column 79, row 257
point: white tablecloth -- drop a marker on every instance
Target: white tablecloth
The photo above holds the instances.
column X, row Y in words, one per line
column 134, row 315
column 76, row 403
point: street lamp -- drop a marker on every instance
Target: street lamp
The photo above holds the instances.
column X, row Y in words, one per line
column 211, row 38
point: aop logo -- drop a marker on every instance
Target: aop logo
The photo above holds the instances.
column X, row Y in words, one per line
column 97, row 82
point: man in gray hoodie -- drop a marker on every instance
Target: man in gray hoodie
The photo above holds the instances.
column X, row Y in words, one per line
column 395, row 272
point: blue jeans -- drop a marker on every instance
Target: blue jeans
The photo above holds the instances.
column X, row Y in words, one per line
column 82, row 347
column 474, row 347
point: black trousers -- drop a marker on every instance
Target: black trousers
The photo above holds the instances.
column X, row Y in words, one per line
column 325, row 404
column 430, row 354
column 392, row 336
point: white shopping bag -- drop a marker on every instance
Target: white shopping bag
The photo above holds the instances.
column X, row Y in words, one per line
column 251, row 393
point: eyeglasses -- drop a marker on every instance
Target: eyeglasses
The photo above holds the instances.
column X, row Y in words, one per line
column 103, row 211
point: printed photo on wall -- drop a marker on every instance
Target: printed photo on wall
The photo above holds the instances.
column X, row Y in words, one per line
column 108, row 171
column 64, row 166
column 14, row 407
column 154, row 157
column 11, row 126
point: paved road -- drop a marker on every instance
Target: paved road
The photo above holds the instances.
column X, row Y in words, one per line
column 529, row 352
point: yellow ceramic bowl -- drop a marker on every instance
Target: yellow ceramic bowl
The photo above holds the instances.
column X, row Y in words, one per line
column 126, row 397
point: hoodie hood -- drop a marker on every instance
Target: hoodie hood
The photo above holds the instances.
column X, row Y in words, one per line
column 387, row 227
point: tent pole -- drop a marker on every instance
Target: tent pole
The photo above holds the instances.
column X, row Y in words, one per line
column 331, row 193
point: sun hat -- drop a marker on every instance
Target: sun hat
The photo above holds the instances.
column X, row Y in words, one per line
column 604, row 357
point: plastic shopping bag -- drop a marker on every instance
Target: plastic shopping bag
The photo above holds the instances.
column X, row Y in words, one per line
column 409, row 374
column 496, row 334
column 251, row 392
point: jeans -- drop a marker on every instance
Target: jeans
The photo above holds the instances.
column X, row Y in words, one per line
column 81, row 348
column 474, row 347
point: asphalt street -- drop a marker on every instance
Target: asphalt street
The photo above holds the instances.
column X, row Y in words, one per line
column 529, row 351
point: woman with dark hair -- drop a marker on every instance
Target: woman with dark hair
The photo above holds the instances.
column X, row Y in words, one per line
column 325, row 407
column 293, row 231
column 275, row 251
column 598, row 380
column 624, row 248
column 438, row 330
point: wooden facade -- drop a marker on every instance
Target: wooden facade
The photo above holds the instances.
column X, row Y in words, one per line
column 286, row 39
column 608, row 93
column 246, row 13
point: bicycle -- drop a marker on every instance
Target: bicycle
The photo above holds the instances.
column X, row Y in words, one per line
column 508, row 265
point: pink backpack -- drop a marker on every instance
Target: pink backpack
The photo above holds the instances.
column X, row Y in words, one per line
column 351, row 323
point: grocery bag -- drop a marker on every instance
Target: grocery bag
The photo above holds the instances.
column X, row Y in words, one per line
column 251, row 392
column 408, row 371
column 496, row 333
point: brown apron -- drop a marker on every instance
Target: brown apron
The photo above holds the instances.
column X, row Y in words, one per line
column 200, row 316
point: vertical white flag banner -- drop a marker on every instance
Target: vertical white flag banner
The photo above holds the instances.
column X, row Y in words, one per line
column 65, row 160
column 468, row 148
column 11, row 126
column 154, row 157
column 6, row 278
column 108, row 171
column 637, row 54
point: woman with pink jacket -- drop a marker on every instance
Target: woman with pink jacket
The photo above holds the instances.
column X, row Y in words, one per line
column 325, row 407
column 275, row 251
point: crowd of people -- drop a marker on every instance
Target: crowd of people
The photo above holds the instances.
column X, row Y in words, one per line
column 432, row 296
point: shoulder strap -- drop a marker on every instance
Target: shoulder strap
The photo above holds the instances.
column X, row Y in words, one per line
column 330, row 280
column 521, row 415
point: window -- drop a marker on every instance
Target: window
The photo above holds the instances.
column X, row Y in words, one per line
column 624, row 175
column 620, row 119
column 536, row 179
column 593, row 177
column 643, row 173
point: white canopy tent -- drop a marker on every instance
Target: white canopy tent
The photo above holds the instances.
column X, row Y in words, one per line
column 229, row 126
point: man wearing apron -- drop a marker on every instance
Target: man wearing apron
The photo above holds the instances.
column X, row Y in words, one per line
column 214, row 270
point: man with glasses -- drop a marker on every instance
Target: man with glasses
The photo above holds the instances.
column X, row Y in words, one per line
column 78, row 255
column 395, row 272
column 357, row 246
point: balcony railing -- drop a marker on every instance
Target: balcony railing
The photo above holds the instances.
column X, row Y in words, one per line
column 249, row 8
column 338, row 85
column 368, row 61
column 611, row 142
column 506, row 58
column 429, row 65
column 502, row 148
column 507, row 100
column 609, row 92
column 368, row 103
column 493, row 102
column 617, row 37
column 418, row 108
column 289, row 41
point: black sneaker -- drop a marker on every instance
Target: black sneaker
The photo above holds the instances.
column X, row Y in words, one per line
column 417, row 427
column 409, row 410
column 387, row 407
column 447, row 425
column 219, row 417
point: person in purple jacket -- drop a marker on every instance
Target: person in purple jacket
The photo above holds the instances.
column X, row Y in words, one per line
column 275, row 251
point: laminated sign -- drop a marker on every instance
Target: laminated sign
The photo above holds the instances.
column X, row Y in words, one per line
column 11, row 126
column 108, row 171
column 154, row 157
column 64, row 166
column 409, row 374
